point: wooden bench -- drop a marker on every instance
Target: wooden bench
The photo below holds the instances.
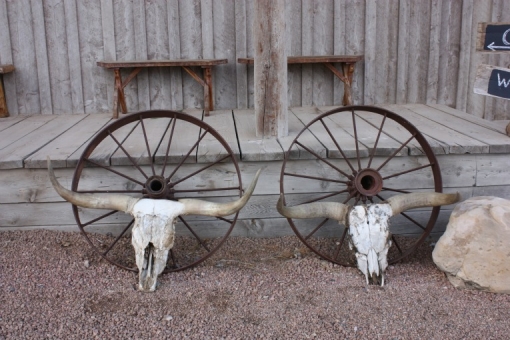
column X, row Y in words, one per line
column 4, row 112
column 347, row 63
column 206, row 81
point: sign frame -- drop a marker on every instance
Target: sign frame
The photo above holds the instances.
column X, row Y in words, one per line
column 482, row 80
column 493, row 37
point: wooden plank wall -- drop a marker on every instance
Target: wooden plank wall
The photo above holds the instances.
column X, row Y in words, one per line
column 416, row 52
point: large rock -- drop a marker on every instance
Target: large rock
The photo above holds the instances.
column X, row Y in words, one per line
column 474, row 251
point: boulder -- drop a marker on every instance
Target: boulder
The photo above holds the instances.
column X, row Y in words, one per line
column 474, row 251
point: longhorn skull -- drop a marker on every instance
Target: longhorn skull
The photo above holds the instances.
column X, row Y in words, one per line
column 368, row 225
column 153, row 232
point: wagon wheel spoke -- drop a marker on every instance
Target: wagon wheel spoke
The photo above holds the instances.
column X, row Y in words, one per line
column 321, row 158
column 373, row 160
column 396, row 190
column 351, row 195
column 152, row 155
column 356, row 138
column 172, row 258
column 202, row 243
column 98, row 218
column 224, row 219
column 147, row 146
column 409, row 218
column 128, row 155
column 407, row 171
column 201, row 169
column 316, row 228
column 173, row 121
column 207, row 190
column 113, row 171
column 396, row 244
column 109, row 191
column 315, row 177
column 187, row 154
column 325, row 196
column 372, row 154
column 118, row 237
column 413, row 220
column 337, row 145
column 340, row 244
column 396, row 152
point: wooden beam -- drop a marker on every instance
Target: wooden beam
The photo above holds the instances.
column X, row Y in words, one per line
column 270, row 68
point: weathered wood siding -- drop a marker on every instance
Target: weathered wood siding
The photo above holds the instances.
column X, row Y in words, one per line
column 415, row 52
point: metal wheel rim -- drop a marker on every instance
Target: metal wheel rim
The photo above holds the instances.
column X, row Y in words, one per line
column 428, row 153
column 130, row 118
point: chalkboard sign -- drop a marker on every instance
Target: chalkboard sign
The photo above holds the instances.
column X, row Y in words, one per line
column 499, row 82
column 493, row 37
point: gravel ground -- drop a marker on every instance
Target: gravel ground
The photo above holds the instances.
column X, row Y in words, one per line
column 53, row 286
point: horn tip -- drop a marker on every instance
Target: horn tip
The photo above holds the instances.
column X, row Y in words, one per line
column 258, row 173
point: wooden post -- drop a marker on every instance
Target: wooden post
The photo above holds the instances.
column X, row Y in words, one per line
column 4, row 112
column 270, row 69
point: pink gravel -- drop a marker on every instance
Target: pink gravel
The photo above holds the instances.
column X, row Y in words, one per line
column 54, row 287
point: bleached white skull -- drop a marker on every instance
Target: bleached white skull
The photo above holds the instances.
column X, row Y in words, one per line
column 368, row 225
column 153, row 232
column 370, row 237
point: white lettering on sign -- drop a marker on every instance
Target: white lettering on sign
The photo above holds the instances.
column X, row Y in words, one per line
column 503, row 81
column 504, row 37
column 493, row 47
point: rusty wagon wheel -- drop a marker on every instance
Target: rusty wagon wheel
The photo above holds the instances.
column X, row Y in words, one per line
column 155, row 154
column 360, row 162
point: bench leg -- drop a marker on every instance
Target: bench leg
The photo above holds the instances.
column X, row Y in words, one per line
column 346, row 77
column 206, row 83
column 348, row 70
column 3, row 104
column 208, row 92
column 118, row 95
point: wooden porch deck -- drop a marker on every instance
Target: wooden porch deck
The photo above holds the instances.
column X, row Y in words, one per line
column 473, row 154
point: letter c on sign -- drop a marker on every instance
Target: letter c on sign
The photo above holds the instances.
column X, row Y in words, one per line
column 504, row 37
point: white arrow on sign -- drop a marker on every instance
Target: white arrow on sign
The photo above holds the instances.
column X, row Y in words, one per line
column 506, row 42
column 495, row 48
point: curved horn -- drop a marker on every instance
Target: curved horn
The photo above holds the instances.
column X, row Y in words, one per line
column 199, row 207
column 404, row 202
column 97, row 201
column 333, row 210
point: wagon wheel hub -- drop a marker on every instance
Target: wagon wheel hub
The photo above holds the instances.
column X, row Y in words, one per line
column 157, row 187
column 368, row 182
